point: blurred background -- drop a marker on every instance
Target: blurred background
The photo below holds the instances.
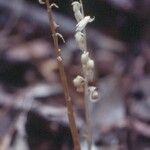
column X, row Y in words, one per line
column 32, row 105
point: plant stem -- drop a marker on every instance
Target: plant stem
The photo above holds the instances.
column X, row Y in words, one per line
column 88, row 116
column 69, row 105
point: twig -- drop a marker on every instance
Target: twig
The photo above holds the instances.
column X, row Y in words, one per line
column 69, row 105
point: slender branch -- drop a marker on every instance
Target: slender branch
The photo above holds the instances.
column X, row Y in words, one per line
column 69, row 105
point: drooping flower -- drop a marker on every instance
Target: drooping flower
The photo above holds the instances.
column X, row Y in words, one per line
column 79, row 83
column 84, row 58
column 94, row 96
column 82, row 24
column 77, row 11
column 80, row 38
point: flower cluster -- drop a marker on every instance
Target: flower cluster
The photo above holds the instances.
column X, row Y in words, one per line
column 88, row 64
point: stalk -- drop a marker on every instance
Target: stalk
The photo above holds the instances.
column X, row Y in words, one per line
column 69, row 104
column 88, row 115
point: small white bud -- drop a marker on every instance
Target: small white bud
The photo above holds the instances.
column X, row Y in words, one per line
column 80, row 38
column 78, row 16
column 90, row 64
column 90, row 70
column 77, row 11
column 78, row 81
column 94, row 96
column 82, row 24
column 76, row 6
column 85, row 58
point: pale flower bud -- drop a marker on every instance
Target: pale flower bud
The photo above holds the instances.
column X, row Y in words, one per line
column 78, row 16
column 77, row 11
column 80, row 38
column 78, row 81
column 90, row 70
column 94, row 96
column 90, row 64
column 85, row 58
column 82, row 24
column 76, row 6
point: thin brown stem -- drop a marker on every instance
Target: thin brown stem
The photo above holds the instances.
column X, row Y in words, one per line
column 69, row 105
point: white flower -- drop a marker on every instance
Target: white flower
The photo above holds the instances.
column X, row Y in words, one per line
column 76, row 6
column 80, row 38
column 85, row 58
column 94, row 96
column 79, row 83
column 82, row 24
column 90, row 64
column 89, row 70
column 77, row 11
column 78, row 16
